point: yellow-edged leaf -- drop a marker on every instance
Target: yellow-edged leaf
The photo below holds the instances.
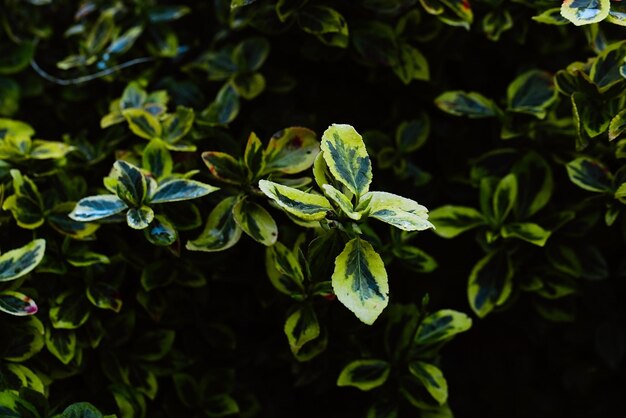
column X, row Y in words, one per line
column 306, row 206
column 347, row 158
column 360, row 280
column 398, row 211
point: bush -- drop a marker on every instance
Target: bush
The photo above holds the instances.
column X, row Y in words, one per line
column 385, row 208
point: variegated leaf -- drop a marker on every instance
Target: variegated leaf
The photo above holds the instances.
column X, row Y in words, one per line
column 157, row 159
column 432, row 379
column 306, row 206
column 365, row 374
column 139, row 218
column 180, row 189
column 256, row 222
column 291, row 150
column 450, row 221
column 360, row 280
column 17, row 304
column 177, row 125
column 253, row 155
column 346, row 157
column 301, row 327
column 97, row 207
column 395, row 210
column 16, row 263
column 584, row 12
column 224, row 167
column 342, row 201
column 131, row 185
column 221, row 231
column 143, row 123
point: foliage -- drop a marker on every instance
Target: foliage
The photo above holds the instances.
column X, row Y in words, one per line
column 210, row 209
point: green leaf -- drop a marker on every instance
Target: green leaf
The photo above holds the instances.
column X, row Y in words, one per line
column 22, row 378
column 605, row 70
column 504, row 197
column 162, row 14
column 177, row 125
column 291, row 151
column 26, row 204
column 535, row 185
column 305, row 206
column 360, row 280
column 248, row 85
column 256, row 222
column 142, row 123
column 254, row 156
column 497, row 22
column 441, row 326
column 100, row 34
column 131, row 184
column 46, row 150
column 432, row 379
column 61, row 344
column 10, row 94
column 220, row 406
column 157, row 159
column 130, row 402
column 284, row 270
column 301, row 327
column 26, row 339
column 125, row 41
column 153, row 345
column 69, row 310
column 161, row 232
column 342, row 201
column 532, row 92
column 410, row 64
column 223, row 110
column 346, row 157
column 221, row 231
column 462, row 9
column 17, row 304
column 584, row 12
column 104, row 295
column 411, row 135
column 250, row 54
column 365, row 374
column 586, row 262
column 490, row 282
column 589, row 174
column 179, row 190
column 139, row 218
column 450, row 221
column 416, row 259
column 617, row 14
column 15, row 57
column 472, row 105
column 224, row 167
column 326, row 23
column 526, row 231
column 11, row 406
column 21, row 261
column 81, row 410
column 97, row 207
column 551, row 17
column 403, row 213
column 617, row 125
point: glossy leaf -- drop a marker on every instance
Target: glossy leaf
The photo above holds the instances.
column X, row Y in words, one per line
column 411, row 135
column 305, row 206
column 589, row 174
column 61, row 344
column 177, row 125
column 504, row 197
column 21, row 261
column 403, row 213
column 301, row 327
column 93, row 208
column 441, row 326
column 139, row 218
column 410, row 64
column 342, row 201
column 27, row 339
column 143, row 123
column 180, row 189
column 26, row 204
column 291, row 150
column 490, row 283
column 450, row 221
column 360, row 280
column 224, row 109
column 365, row 374
column 526, row 231
column 256, row 222
column 346, row 157
column 532, row 92
column 161, row 232
column 223, row 167
column 617, row 125
column 326, row 23
column 81, row 410
column 221, row 231
column 254, row 155
column 584, row 12
column 69, row 310
column 432, row 379
column 131, row 185
column 284, row 270
column 469, row 104
column 103, row 295
column 157, row 159
column 17, row 304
